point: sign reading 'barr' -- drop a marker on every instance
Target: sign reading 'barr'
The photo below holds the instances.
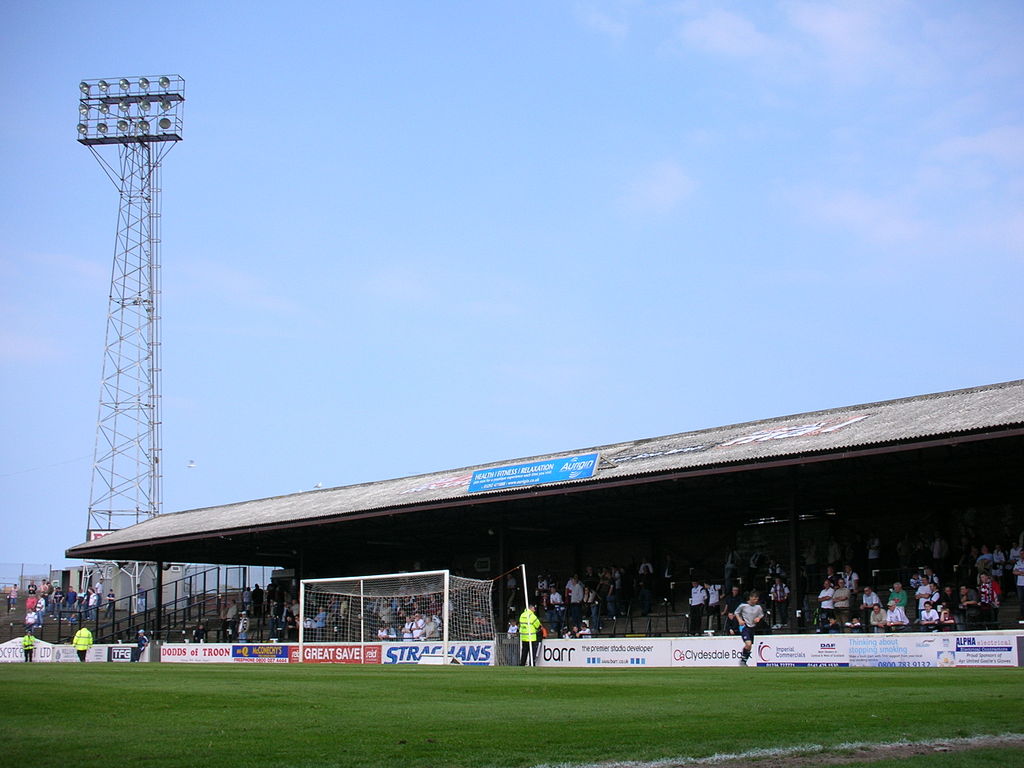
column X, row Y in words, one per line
column 535, row 473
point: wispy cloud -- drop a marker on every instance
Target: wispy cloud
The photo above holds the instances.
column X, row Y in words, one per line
column 723, row 32
column 1002, row 144
column 659, row 189
column 600, row 18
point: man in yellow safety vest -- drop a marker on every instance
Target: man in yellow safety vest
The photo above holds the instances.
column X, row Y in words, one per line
column 82, row 642
column 28, row 645
column 529, row 632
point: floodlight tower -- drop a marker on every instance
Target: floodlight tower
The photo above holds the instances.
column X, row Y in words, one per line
column 142, row 116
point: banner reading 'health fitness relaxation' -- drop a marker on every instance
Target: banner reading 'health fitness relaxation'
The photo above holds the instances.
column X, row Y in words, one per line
column 555, row 470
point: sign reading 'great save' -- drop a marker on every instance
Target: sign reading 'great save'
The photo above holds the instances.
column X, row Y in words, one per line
column 535, row 473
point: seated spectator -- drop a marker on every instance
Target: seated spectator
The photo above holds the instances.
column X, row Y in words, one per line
column 947, row 622
column 878, row 618
column 854, row 625
column 199, row 634
column 896, row 618
column 928, row 618
column 926, row 591
column 868, row 600
column 841, row 597
column 968, row 611
column 899, row 595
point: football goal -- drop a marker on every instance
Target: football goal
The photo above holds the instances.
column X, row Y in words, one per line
column 397, row 607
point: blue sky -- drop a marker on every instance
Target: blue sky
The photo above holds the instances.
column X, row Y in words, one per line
column 402, row 237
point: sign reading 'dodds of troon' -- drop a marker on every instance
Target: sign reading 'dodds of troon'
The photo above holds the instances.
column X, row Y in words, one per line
column 535, row 473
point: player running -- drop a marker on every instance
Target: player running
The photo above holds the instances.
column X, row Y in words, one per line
column 748, row 615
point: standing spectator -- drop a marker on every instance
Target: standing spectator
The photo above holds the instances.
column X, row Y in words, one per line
column 714, row 609
column 12, row 598
column 556, row 610
column 111, row 598
column 574, row 594
column 780, row 603
column 925, row 593
column 988, row 602
column 698, row 599
column 243, row 624
column 31, row 588
column 71, row 601
column 28, row 646
column 1018, row 572
column 141, row 641
column 940, row 553
column 841, row 598
column 732, row 602
column 529, row 632
column 748, row 615
column 852, row 578
column 140, row 600
column 228, row 615
column 825, row 605
column 92, row 604
column 246, row 599
column 257, row 602
column 199, row 634
column 82, row 642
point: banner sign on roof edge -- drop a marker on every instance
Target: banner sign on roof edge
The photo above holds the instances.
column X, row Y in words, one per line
column 554, row 470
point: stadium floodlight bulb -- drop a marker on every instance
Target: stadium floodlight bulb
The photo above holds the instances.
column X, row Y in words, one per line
column 165, row 82
column 83, row 109
column 104, row 86
column 144, row 83
column 144, row 105
column 122, row 125
column 83, row 128
column 165, row 105
column 102, row 128
column 123, row 82
column 143, row 126
column 104, row 107
column 165, row 123
column 124, row 106
column 84, row 87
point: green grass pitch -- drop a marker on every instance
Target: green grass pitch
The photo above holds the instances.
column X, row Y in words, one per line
column 337, row 715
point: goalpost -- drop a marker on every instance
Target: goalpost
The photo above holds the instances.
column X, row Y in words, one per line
column 417, row 606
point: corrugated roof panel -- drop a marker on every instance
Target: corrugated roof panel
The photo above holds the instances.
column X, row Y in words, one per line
column 838, row 429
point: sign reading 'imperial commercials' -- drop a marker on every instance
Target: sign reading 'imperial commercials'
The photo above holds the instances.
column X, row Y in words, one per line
column 535, row 473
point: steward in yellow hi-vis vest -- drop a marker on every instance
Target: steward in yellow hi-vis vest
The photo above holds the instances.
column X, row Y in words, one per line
column 529, row 629
column 28, row 645
column 82, row 642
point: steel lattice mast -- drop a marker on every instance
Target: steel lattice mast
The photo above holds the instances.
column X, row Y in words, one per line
column 142, row 117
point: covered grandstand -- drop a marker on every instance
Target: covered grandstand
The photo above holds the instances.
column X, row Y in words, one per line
column 948, row 462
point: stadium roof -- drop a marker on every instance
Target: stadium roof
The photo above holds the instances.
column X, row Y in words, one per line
column 942, row 419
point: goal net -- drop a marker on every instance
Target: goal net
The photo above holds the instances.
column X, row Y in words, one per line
column 425, row 605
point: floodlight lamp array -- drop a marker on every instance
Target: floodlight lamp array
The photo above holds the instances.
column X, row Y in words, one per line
column 131, row 110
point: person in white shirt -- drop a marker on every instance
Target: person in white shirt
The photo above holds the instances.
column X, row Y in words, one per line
column 825, row 605
column 896, row 618
column 929, row 618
